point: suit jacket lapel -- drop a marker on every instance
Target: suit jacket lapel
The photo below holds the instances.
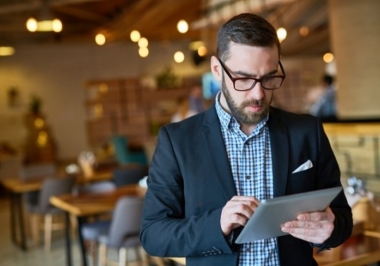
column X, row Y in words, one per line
column 216, row 150
column 280, row 153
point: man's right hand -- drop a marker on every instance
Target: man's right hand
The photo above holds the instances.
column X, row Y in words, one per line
column 236, row 212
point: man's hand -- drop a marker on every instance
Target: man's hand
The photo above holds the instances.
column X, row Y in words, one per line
column 314, row 227
column 236, row 212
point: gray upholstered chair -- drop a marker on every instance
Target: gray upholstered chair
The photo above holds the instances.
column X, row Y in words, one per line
column 32, row 171
column 129, row 174
column 124, row 230
column 92, row 230
column 101, row 186
column 42, row 207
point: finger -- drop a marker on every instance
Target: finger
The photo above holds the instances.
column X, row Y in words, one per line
column 317, row 216
column 310, row 231
column 245, row 199
column 325, row 225
column 234, row 215
column 250, row 203
column 303, row 224
column 311, row 216
column 310, row 235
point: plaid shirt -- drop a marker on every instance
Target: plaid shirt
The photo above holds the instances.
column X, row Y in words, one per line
column 251, row 165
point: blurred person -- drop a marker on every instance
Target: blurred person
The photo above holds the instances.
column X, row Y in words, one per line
column 196, row 99
column 210, row 172
column 325, row 106
column 183, row 111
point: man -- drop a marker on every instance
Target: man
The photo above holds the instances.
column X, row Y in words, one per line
column 195, row 99
column 325, row 107
column 210, row 172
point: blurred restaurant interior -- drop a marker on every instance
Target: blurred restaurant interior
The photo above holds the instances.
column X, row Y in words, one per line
column 88, row 94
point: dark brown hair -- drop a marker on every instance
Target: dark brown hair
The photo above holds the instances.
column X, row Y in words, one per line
column 246, row 28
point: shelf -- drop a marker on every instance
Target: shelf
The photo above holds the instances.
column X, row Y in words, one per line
column 123, row 106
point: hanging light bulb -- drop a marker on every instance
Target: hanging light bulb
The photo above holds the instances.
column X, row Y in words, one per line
column 135, row 36
column 328, row 57
column 281, row 34
column 143, row 42
column 182, row 26
column 44, row 21
column 100, row 39
column 179, row 57
column 56, row 25
column 304, row 31
column 44, row 25
column 202, row 51
column 31, row 24
column 143, row 51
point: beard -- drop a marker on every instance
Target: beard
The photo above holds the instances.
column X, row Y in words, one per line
column 248, row 118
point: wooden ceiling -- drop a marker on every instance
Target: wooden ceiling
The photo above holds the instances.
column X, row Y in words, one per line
column 156, row 20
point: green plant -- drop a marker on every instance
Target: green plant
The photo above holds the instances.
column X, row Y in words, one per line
column 167, row 79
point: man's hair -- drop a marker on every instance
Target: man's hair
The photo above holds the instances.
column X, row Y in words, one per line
column 328, row 79
column 246, row 28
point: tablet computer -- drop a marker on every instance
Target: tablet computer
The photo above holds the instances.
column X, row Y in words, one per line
column 271, row 213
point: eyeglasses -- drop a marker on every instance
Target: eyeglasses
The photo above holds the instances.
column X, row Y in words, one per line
column 247, row 83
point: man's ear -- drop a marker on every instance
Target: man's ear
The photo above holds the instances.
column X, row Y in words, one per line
column 216, row 68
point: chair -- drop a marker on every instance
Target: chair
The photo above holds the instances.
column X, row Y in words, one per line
column 129, row 174
column 37, row 170
column 92, row 230
column 124, row 229
column 124, row 155
column 42, row 207
column 32, row 171
column 9, row 166
column 101, row 186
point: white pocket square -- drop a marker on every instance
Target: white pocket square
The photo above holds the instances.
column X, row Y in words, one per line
column 307, row 165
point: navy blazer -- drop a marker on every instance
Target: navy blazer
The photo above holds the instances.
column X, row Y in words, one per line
column 190, row 181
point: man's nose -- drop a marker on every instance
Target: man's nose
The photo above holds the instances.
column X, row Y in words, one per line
column 257, row 92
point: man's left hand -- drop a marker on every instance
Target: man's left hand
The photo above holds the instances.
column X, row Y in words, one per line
column 314, row 227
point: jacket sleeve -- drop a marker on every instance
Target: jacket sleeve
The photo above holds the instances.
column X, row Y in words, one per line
column 328, row 167
column 166, row 229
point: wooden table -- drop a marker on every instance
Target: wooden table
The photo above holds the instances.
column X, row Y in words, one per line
column 362, row 248
column 16, row 187
column 85, row 205
column 357, row 250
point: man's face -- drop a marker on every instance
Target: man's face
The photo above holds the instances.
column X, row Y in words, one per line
column 248, row 107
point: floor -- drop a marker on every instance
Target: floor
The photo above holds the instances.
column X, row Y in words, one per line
column 12, row 255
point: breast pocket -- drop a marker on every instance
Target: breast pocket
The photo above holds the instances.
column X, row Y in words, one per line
column 302, row 181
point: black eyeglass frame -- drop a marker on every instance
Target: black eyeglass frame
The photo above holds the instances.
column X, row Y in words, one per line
column 283, row 76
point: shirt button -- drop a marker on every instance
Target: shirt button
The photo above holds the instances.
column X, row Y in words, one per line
column 248, row 177
column 248, row 250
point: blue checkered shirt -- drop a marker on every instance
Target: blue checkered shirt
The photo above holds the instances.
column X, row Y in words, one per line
column 251, row 164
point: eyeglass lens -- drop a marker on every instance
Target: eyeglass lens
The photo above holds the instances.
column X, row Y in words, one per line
column 269, row 83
